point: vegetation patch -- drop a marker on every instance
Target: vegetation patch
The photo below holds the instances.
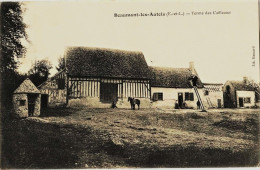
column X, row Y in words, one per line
column 116, row 138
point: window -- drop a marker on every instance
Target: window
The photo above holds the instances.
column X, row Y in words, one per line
column 247, row 100
column 206, row 93
column 21, row 102
column 61, row 84
column 157, row 96
column 189, row 96
column 160, row 96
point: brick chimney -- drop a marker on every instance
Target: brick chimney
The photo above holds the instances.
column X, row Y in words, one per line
column 191, row 67
column 245, row 80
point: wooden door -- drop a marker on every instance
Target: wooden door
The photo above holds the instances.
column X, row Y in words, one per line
column 241, row 102
column 108, row 92
column 219, row 103
column 31, row 103
column 180, row 99
column 44, row 101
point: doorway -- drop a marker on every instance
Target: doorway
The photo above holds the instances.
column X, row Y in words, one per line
column 44, row 101
column 31, row 103
column 180, row 99
column 241, row 102
column 219, row 103
column 108, row 92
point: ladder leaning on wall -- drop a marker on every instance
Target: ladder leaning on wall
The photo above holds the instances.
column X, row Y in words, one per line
column 198, row 96
column 209, row 102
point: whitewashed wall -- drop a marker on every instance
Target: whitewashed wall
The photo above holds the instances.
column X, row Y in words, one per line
column 94, row 102
column 170, row 95
column 245, row 94
column 213, row 98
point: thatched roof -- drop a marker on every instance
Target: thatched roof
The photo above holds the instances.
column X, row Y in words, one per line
column 100, row 62
column 241, row 86
column 172, row 77
column 27, row 87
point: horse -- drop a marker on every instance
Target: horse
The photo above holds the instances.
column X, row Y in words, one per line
column 133, row 102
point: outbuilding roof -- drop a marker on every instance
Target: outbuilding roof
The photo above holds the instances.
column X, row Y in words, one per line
column 172, row 77
column 101, row 62
column 27, row 87
column 240, row 85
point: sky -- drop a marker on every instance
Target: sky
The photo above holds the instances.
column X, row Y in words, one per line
column 220, row 45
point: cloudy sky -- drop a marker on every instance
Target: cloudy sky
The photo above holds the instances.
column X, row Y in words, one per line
column 221, row 45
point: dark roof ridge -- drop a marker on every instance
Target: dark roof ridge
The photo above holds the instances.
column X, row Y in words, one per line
column 167, row 67
column 213, row 83
column 102, row 48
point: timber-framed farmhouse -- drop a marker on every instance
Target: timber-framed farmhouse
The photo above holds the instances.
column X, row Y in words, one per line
column 97, row 77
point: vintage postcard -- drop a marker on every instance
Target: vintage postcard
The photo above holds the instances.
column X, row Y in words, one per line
column 129, row 84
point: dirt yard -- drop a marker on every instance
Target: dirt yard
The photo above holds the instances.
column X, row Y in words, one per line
column 112, row 138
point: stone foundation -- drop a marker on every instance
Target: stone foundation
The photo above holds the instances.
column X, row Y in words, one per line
column 94, row 102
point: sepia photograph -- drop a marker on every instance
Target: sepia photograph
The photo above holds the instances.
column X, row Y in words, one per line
column 129, row 84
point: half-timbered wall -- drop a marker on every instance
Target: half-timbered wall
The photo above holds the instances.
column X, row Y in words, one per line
column 90, row 87
column 83, row 87
column 136, row 89
column 56, row 96
column 86, row 90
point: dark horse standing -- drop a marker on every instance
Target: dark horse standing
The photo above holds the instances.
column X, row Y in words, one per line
column 133, row 102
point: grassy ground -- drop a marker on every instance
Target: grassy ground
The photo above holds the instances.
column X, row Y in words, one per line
column 90, row 138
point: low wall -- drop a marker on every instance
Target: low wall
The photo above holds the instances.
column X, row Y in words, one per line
column 144, row 103
column 94, row 102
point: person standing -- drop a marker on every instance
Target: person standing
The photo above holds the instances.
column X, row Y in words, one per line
column 198, row 104
column 176, row 105
column 113, row 105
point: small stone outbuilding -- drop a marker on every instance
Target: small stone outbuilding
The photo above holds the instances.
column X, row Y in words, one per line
column 26, row 100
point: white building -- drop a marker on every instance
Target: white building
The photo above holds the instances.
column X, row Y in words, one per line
column 169, row 85
column 239, row 94
column 213, row 94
